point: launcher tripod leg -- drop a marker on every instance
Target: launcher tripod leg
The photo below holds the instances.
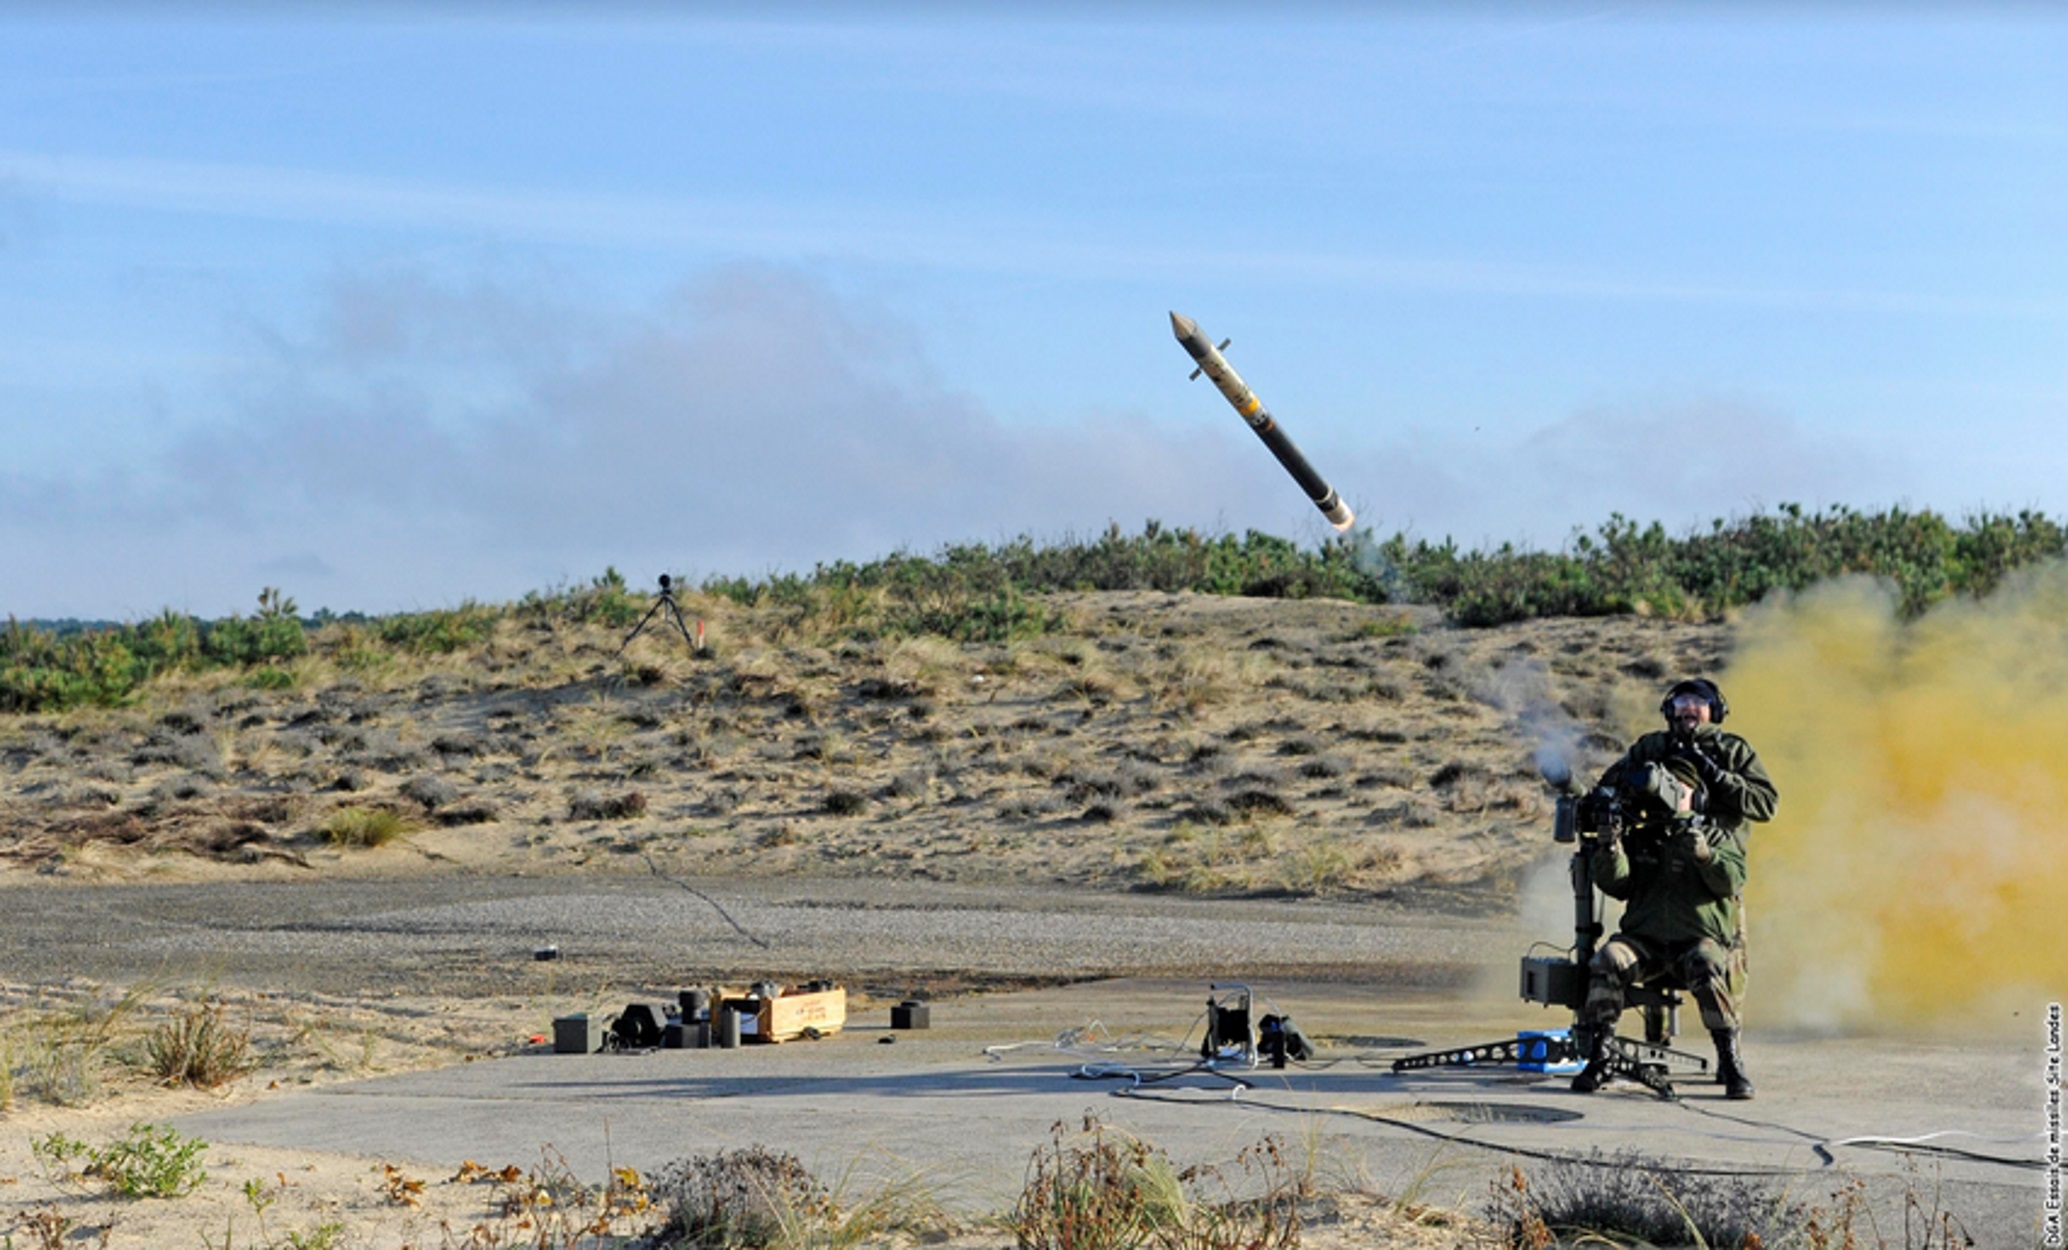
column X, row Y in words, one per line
column 1649, row 1063
column 1652, row 1065
column 1506, row 1050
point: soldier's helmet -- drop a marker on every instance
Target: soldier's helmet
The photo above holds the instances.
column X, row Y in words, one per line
column 1702, row 686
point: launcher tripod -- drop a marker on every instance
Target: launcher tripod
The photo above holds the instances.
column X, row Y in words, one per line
column 1561, row 981
column 665, row 608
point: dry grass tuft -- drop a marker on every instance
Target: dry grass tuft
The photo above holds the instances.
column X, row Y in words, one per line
column 590, row 805
column 198, row 1048
column 366, row 827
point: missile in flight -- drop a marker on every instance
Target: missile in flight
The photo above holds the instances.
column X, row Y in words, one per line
column 1237, row 391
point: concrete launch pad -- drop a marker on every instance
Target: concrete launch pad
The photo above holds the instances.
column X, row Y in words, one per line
column 966, row 1102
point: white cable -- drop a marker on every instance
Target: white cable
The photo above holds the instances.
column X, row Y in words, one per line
column 1087, row 1040
column 1925, row 1137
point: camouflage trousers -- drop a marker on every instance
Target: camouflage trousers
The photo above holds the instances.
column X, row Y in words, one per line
column 1705, row 967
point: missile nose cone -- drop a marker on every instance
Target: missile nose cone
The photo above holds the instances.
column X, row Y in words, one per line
column 1182, row 326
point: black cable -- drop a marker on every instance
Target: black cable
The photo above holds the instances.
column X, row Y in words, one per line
column 1522, row 1152
column 1815, row 1139
column 715, row 906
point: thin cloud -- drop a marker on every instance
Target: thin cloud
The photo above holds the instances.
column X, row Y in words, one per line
column 753, row 420
column 883, row 232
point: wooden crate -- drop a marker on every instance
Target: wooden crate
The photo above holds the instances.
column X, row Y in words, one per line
column 791, row 1015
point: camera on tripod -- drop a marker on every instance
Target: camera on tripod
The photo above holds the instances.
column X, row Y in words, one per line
column 664, row 605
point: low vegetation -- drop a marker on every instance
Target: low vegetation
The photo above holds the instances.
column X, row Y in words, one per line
column 1097, row 1188
column 79, row 1045
column 1632, row 1199
column 1627, row 567
column 198, row 1047
column 978, row 593
column 749, row 1198
column 365, row 827
column 59, row 1053
column 149, row 1161
column 41, row 669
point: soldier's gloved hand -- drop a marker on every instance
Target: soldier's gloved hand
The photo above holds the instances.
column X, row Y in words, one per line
column 1689, row 840
column 1707, row 769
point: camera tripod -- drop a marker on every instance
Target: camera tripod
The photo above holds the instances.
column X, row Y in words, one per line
column 665, row 607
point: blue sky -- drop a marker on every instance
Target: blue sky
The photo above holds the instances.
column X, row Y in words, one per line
column 392, row 307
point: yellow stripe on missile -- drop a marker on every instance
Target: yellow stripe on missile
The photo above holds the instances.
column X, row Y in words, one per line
column 1250, row 409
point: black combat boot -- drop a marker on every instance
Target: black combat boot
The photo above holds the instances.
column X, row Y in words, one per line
column 1730, row 1065
column 1598, row 1040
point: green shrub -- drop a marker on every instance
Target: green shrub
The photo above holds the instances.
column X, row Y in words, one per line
column 273, row 635
column 152, row 1161
column 40, row 671
column 46, row 671
column 1004, row 615
column 605, row 600
column 170, row 640
column 272, row 678
column 438, row 632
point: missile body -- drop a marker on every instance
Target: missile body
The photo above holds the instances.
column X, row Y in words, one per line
column 1231, row 385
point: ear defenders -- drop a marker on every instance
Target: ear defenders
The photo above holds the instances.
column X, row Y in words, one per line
column 1718, row 709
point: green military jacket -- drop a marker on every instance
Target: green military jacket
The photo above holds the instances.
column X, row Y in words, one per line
column 1669, row 896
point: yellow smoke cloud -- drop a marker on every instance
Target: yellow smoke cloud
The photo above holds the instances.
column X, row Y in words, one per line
column 1917, row 872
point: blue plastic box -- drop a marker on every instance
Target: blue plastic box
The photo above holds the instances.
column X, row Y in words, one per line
column 1535, row 1048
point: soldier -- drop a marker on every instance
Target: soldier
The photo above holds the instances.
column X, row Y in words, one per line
column 1680, row 871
